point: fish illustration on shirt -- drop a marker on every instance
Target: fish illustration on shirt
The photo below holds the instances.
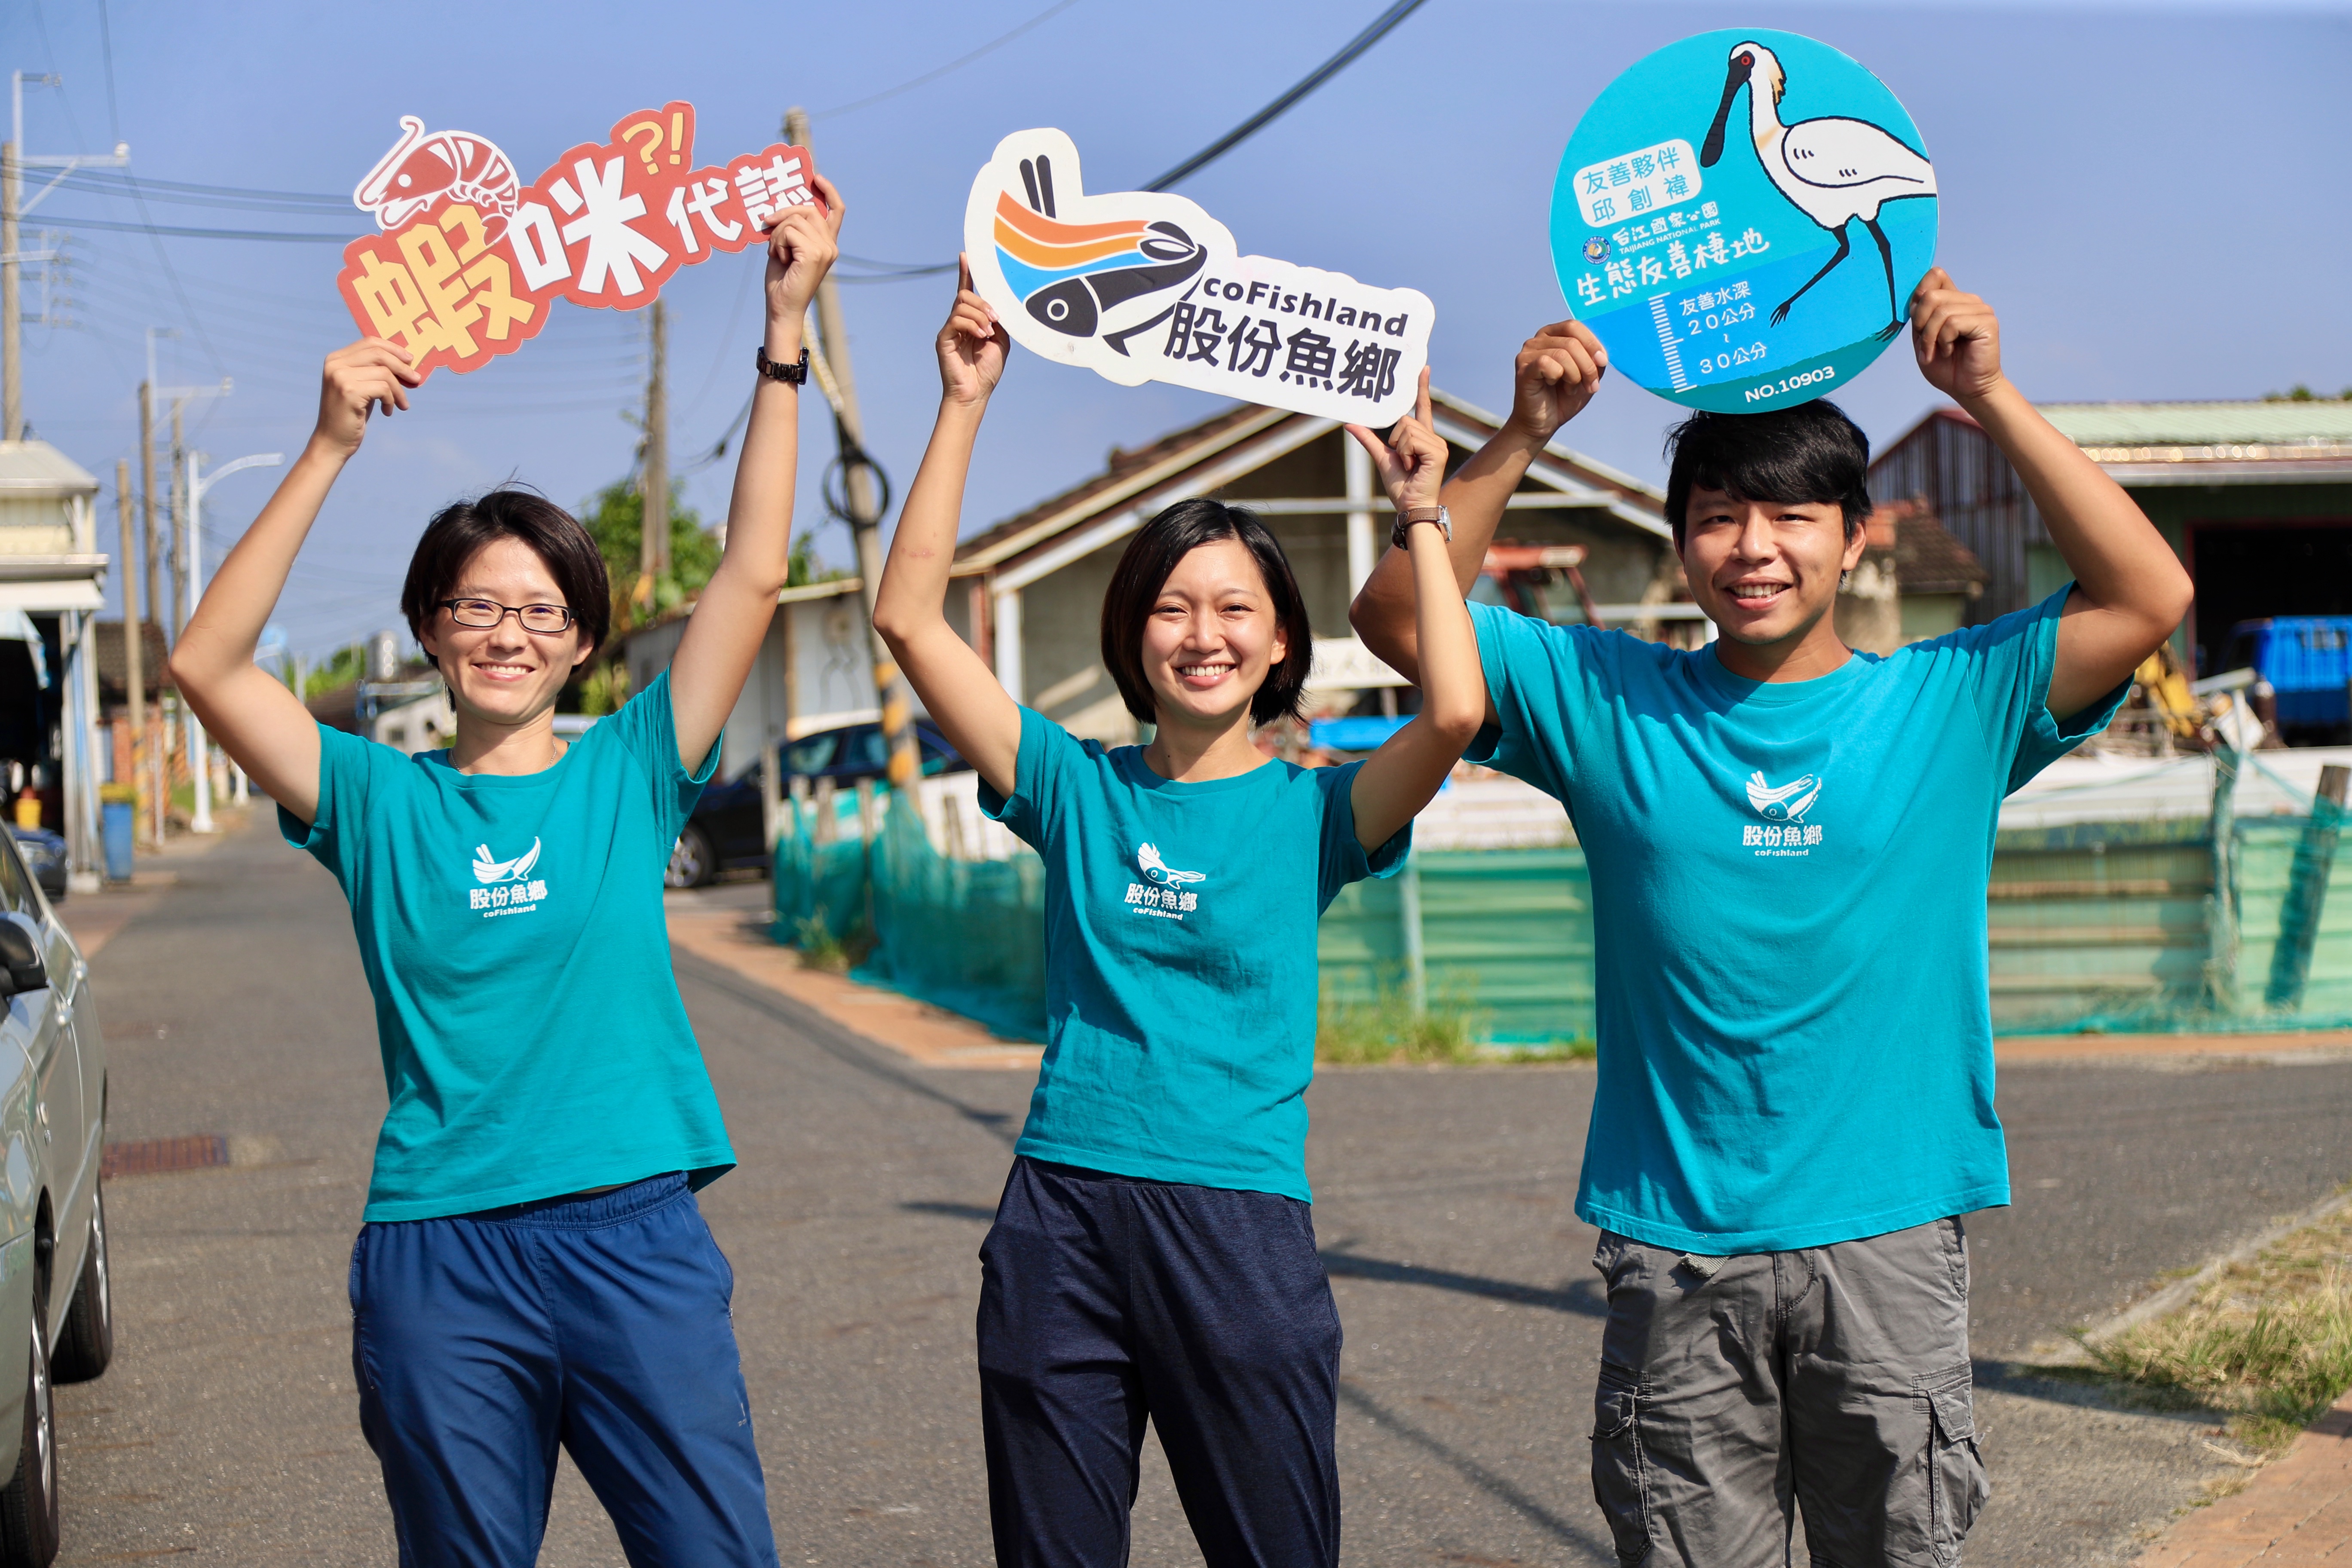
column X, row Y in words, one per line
column 488, row 870
column 1789, row 802
column 1155, row 869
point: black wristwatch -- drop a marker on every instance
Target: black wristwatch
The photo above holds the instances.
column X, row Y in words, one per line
column 790, row 374
column 1410, row 515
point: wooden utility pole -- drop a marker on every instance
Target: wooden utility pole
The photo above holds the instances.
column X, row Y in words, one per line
column 11, row 361
column 890, row 693
column 177, row 620
column 653, row 555
column 134, row 677
column 147, row 486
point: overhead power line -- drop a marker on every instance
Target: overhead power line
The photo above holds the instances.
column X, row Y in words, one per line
column 1379, row 28
column 185, row 193
column 1047, row 14
column 1306, row 84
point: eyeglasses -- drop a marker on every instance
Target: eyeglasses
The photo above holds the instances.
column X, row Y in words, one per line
column 545, row 619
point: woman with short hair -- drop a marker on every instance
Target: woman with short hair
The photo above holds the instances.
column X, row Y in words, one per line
column 1153, row 1256
column 532, row 1271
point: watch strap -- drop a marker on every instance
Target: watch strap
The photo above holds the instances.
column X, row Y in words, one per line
column 1410, row 515
column 790, row 374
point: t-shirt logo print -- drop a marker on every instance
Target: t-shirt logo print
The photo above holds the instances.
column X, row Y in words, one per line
column 1163, row 891
column 1783, row 808
column 507, row 886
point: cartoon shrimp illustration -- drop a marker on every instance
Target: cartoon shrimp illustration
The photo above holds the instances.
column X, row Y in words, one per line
column 420, row 168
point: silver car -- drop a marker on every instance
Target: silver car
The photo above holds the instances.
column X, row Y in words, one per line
column 55, row 1302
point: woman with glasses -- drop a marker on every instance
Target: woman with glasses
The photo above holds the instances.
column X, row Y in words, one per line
column 531, row 1268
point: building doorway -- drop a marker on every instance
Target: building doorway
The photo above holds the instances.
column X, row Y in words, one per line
column 2245, row 571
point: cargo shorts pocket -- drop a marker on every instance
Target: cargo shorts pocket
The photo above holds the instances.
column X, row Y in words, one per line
column 1957, row 1484
column 1619, row 1485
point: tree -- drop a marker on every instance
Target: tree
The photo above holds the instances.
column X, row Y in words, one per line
column 616, row 516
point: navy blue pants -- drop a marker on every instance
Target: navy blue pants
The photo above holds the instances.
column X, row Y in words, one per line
column 484, row 1341
column 1106, row 1301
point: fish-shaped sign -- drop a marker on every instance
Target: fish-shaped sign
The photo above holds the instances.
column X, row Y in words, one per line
column 1141, row 286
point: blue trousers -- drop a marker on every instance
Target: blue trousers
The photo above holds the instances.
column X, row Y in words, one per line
column 1106, row 1301
column 602, row 1324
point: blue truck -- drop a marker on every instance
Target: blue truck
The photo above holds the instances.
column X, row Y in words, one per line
column 2307, row 659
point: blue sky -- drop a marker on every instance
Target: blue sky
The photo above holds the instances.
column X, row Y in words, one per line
column 2156, row 197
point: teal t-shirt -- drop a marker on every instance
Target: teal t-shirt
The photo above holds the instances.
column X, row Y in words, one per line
column 1181, row 975
column 534, row 1042
column 1789, row 912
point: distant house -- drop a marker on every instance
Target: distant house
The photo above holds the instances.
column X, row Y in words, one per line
column 51, row 572
column 1916, row 580
column 1027, row 593
column 1034, row 584
column 2256, row 498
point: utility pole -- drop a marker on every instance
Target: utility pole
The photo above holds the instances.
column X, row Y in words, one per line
column 653, row 555
column 890, row 692
column 197, row 484
column 133, row 676
column 14, row 160
column 12, row 310
column 181, row 603
column 146, row 484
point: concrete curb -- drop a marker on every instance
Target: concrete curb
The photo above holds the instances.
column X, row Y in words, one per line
column 2076, row 1352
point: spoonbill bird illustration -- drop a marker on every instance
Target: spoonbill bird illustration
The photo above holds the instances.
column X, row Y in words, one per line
column 1834, row 170
column 486, row 870
column 1787, row 804
column 1155, row 869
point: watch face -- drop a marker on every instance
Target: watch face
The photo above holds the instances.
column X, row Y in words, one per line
column 1741, row 218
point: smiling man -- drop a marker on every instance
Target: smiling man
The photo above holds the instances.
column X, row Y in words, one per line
column 1788, row 843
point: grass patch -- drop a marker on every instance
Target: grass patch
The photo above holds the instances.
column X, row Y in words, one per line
column 1386, row 1028
column 820, row 949
column 2267, row 1344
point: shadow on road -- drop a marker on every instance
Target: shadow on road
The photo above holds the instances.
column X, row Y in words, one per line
column 1477, row 1474
column 1583, row 1298
column 840, row 1043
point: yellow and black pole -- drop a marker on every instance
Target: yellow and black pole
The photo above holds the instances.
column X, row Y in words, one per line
column 863, row 501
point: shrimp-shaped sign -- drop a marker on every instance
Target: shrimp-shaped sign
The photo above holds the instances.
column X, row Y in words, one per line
column 468, row 259
column 1142, row 286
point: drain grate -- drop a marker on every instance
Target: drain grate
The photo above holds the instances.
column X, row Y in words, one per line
column 161, row 1156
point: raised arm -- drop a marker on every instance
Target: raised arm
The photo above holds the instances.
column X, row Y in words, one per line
column 1555, row 375
column 730, row 619
column 1397, row 781
column 260, row 723
column 2130, row 590
column 976, row 715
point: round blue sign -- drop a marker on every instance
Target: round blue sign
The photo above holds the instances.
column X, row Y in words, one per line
column 1741, row 218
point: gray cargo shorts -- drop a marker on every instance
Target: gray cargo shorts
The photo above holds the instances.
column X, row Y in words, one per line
column 1834, row 1379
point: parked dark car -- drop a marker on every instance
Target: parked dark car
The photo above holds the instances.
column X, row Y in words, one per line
column 45, row 857
column 725, row 832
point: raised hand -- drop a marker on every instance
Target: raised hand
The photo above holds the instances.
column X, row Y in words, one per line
column 972, row 346
column 1956, row 338
column 801, row 246
column 1555, row 375
column 1412, row 461
column 368, row 375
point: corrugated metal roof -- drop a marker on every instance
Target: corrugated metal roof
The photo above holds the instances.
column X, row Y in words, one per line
column 2200, row 424
column 40, row 469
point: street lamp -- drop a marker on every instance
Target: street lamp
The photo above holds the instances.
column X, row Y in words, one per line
column 201, row 820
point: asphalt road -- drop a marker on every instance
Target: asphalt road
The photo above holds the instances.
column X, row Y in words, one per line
column 226, row 1431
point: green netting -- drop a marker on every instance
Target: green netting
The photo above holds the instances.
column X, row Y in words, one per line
column 2093, row 927
column 818, row 888
column 966, row 935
